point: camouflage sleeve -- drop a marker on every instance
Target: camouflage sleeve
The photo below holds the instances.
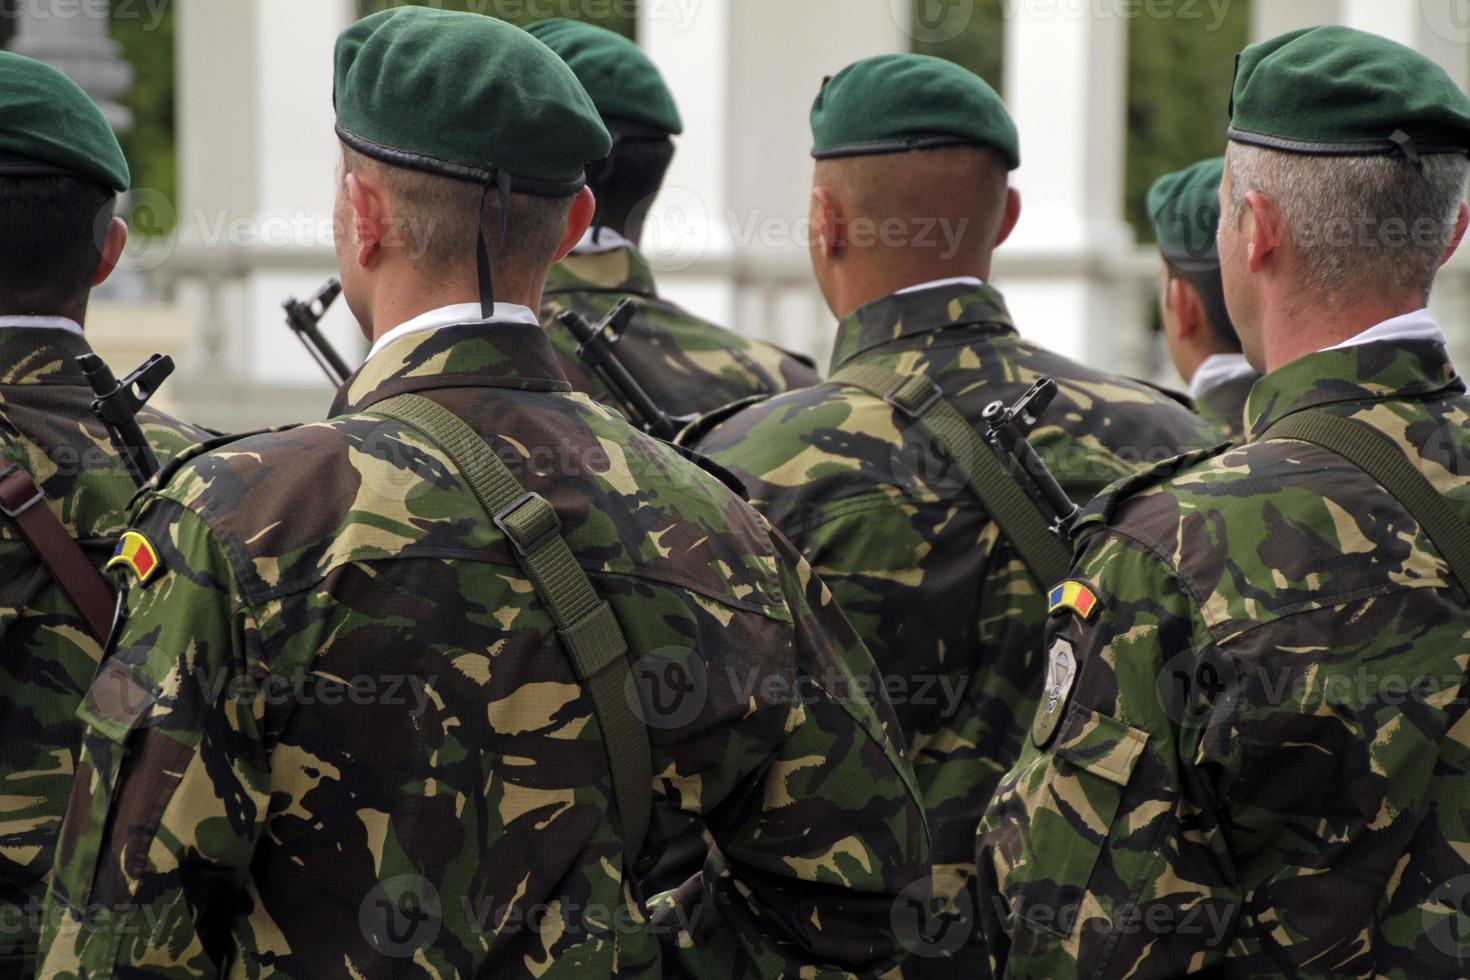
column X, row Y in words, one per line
column 1103, row 846
column 819, row 857
column 163, row 819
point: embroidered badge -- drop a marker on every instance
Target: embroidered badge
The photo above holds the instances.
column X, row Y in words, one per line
column 1075, row 596
column 137, row 554
column 1061, row 674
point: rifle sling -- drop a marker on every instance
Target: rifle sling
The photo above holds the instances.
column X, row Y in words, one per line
column 23, row 502
column 585, row 623
column 1382, row 459
column 1020, row 519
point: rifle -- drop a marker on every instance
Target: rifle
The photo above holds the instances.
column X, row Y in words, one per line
column 305, row 319
column 118, row 403
column 595, row 348
column 1009, row 441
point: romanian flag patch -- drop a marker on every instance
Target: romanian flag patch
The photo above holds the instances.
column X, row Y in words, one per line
column 1075, row 596
column 137, row 554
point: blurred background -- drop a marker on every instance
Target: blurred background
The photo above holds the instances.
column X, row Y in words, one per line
column 225, row 111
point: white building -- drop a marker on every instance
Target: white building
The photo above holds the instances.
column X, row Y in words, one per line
column 257, row 157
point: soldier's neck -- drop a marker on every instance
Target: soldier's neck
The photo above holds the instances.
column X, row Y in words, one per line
column 882, row 279
column 1299, row 329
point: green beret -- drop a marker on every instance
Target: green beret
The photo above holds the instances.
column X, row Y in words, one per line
column 624, row 84
column 1185, row 208
column 465, row 96
column 899, row 102
column 1334, row 91
column 49, row 127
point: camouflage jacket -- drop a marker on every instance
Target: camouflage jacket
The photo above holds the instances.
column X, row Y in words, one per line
column 1223, row 405
column 951, row 615
column 338, row 737
column 1264, row 764
column 47, row 655
column 689, row 366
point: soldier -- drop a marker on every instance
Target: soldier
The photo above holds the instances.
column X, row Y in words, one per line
column 61, row 170
column 1197, row 328
column 910, row 200
column 687, row 364
column 1252, row 755
column 369, row 710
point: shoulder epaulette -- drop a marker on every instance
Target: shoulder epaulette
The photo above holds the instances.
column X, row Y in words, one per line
column 1099, row 513
column 694, row 433
column 169, row 470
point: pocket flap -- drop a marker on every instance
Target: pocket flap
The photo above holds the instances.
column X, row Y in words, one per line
column 1101, row 745
column 117, row 702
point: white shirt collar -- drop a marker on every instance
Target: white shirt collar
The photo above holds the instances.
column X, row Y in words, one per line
column 600, row 241
column 1216, row 370
column 450, row 316
column 1419, row 325
column 42, row 322
column 940, row 283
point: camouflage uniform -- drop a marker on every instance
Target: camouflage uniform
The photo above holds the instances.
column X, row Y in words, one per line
column 1263, row 768
column 1223, row 406
column 952, row 616
column 453, row 816
column 688, row 365
column 49, row 656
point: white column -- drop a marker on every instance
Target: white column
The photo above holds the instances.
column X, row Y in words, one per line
column 745, row 73
column 257, row 166
column 1270, row 18
column 1066, row 86
column 73, row 37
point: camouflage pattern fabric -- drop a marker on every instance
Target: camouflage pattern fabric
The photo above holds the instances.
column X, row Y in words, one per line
column 1223, row 406
column 950, row 613
column 338, row 736
column 47, row 655
column 689, row 366
column 1263, row 767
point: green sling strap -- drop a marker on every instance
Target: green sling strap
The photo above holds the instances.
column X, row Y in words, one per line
column 585, row 623
column 1382, row 459
column 1021, row 521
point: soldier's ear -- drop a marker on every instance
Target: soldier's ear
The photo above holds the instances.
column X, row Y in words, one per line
column 579, row 219
column 1462, row 220
column 1188, row 311
column 113, row 243
column 1011, row 216
column 829, row 225
column 1263, row 231
column 369, row 216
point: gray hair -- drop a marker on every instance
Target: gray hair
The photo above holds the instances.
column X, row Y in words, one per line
column 1358, row 222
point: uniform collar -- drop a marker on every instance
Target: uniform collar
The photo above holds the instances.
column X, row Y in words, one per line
column 621, row 270
column 449, row 316
column 1218, row 370
column 909, row 316
column 1362, row 373
column 40, row 355
column 478, row 354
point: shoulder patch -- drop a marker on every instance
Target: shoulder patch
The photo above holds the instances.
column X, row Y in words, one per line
column 1061, row 674
column 136, row 553
column 1075, row 596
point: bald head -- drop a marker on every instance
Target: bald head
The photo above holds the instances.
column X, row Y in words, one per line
column 885, row 222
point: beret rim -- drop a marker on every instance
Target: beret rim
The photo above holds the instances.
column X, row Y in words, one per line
column 427, row 163
column 1337, row 148
column 885, row 147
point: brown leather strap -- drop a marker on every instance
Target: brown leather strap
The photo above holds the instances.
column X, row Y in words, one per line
column 24, row 503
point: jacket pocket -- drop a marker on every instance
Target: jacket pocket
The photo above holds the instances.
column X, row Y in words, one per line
column 1072, row 816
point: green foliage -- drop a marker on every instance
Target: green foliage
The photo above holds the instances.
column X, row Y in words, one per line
column 1180, row 70
column 148, row 46
column 980, row 48
column 617, row 15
